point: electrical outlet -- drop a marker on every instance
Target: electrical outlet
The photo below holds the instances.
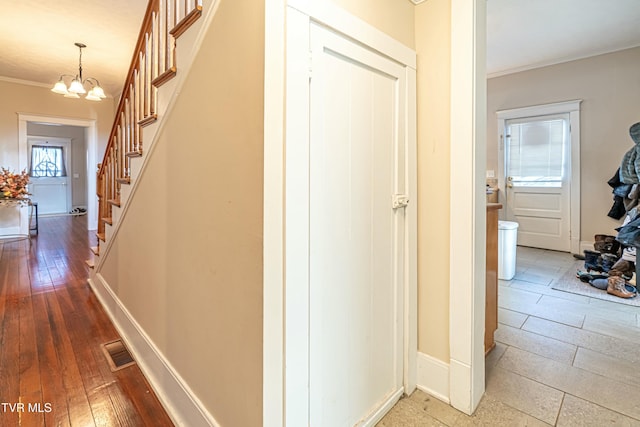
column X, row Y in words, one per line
column 491, row 174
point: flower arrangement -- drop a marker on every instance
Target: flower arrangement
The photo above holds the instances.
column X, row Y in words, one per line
column 13, row 185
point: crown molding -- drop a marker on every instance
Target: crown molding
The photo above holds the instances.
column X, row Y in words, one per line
column 23, row 82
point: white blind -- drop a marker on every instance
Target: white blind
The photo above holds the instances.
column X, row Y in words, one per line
column 536, row 151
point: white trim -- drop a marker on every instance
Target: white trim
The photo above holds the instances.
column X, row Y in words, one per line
column 181, row 403
column 273, row 247
column 92, row 149
column 373, row 419
column 467, row 204
column 433, row 377
column 557, row 61
column 567, row 107
column 326, row 13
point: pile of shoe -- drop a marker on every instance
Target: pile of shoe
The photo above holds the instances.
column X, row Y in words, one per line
column 606, row 269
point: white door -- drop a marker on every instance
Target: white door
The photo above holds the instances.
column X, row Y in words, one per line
column 356, row 263
column 538, row 171
column 49, row 160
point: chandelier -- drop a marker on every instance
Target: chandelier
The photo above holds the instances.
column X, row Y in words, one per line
column 76, row 88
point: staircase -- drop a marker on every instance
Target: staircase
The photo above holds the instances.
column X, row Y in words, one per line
column 145, row 99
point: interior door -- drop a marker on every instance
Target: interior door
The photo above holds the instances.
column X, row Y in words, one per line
column 50, row 185
column 538, row 171
column 356, row 260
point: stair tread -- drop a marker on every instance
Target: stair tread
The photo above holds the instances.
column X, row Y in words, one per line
column 108, row 220
column 91, row 263
column 114, row 202
column 125, row 180
column 100, row 236
column 95, row 250
column 137, row 153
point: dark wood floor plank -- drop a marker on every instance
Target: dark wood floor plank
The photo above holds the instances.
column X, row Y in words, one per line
column 30, row 382
column 53, row 391
column 51, row 330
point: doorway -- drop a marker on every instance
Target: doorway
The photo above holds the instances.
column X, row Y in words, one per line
column 539, row 172
column 350, row 282
column 91, row 155
column 49, row 169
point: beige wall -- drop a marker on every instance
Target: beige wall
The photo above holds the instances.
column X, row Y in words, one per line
column 610, row 89
column 394, row 17
column 433, row 45
column 36, row 100
column 78, row 162
column 187, row 261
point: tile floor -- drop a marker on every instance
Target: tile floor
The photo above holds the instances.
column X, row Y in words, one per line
column 561, row 359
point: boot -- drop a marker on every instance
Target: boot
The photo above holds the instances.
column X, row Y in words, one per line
column 616, row 286
column 624, row 268
column 606, row 244
column 592, row 260
column 608, row 261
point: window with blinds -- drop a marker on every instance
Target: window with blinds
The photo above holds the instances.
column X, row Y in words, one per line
column 536, row 151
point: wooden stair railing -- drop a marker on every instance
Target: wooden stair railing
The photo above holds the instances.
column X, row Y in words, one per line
column 153, row 64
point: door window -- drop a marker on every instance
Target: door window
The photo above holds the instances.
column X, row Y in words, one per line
column 47, row 161
column 536, row 152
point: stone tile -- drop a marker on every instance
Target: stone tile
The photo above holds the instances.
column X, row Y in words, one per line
column 576, row 412
column 625, row 331
column 607, row 366
column 492, row 358
column 531, row 397
column 594, row 341
column 555, row 313
column 518, row 295
column 614, row 306
column 611, row 394
column 530, row 276
column 547, row 290
column 416, row 410
column 494, row 413
column 587, row 308
column 537, row 344
column 511, row 318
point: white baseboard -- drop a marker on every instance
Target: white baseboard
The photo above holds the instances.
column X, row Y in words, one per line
column 433, row 377
column 373, row 419
column 182, row 405
column 584, row 245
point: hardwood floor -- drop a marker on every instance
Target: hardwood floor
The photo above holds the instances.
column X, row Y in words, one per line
column 53, row 371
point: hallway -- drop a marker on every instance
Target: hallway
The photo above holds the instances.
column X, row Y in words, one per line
column 561, row 359
column 52, row 367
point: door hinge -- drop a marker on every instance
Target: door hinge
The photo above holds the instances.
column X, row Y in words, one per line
column 399, row 201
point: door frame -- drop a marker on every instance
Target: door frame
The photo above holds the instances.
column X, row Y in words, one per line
column 285, row 353
column 67, row 145
column 92, row 151
column 567, row 107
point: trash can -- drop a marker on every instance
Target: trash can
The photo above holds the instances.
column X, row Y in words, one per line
column 507, row 241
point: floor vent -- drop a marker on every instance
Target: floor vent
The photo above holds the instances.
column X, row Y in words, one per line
column 117, row 355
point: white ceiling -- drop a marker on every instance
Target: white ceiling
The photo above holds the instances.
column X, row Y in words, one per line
column 524, row 34
column 37, row 37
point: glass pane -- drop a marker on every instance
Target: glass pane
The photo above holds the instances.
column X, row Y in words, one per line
column 47, row 162
column 536, row 152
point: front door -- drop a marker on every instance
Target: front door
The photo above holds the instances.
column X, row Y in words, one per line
column 356, row 236
column 538, row 171
column 50, row 185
